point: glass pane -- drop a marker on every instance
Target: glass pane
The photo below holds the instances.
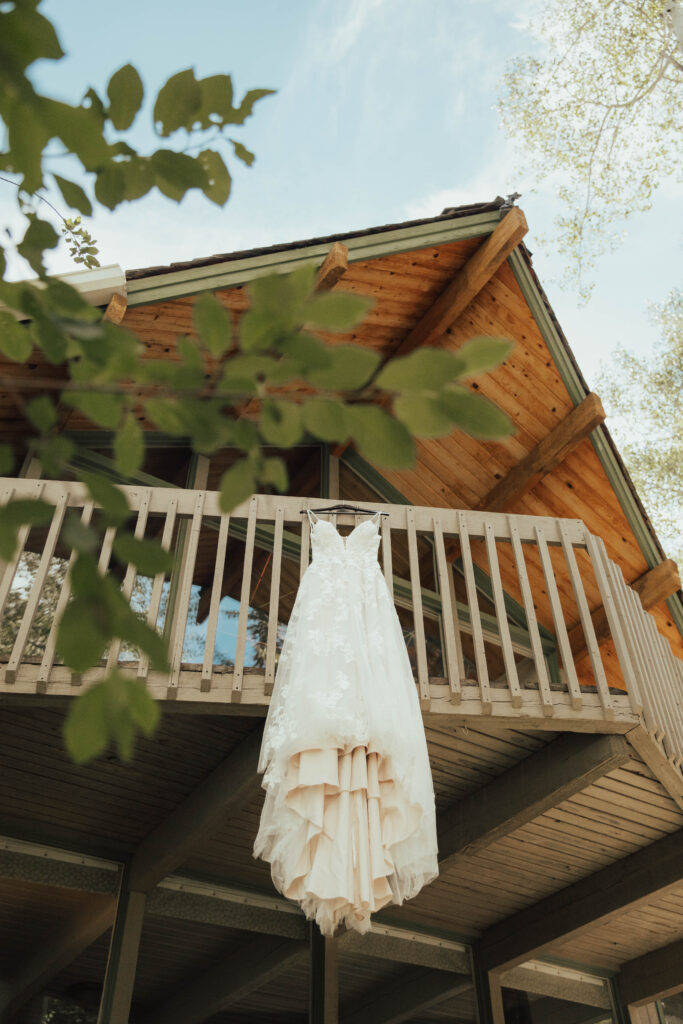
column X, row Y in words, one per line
column 671, row 1009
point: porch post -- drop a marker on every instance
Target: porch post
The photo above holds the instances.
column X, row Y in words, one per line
column 488, row 992
column 323, row 993
column 123, row 956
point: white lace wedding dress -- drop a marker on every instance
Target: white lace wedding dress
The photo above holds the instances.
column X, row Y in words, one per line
column 348, row 823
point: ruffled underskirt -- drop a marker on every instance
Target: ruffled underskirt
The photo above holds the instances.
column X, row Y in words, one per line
column 330, row 831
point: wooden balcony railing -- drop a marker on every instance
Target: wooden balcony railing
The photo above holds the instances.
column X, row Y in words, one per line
column 496, row 608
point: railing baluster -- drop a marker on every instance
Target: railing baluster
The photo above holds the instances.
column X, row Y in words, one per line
column 475, row 621
column 305, row 545
column 8, row 569
column 630, row 612
column 455, row 662
column 158, row 585
column 243, row 620
column 418, row 619
column 131, row 574
column 36, row 589
column 501, row 615
column 182, row 607
column 214, row 605
column 558, row 619
column 387, row 564
column 669, row 737
column 62, row 601
column 273, row 609
column 531, row 621
column 586, row 623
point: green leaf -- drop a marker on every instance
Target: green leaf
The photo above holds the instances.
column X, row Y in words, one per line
column 216, row 105
column 178, row 103
column 30, row 511
column 336, row 311
column 138, row 177
column 423, row 415
column 242, row 153
column 166, row 414
column 86, row 730
column 476, row 415
column 54, row 453
column 15, row 341
column 379, row 438
column 27, row 36
column 425, row 369
column 101, row 409
column 74, row 196
column 110, row 185
column 147, row 555
column 125, row 92
column 83, row 634
column 6, row 459
column 112, row 500
column 325, row 419
column 280, row 423
column 351, row 367
column 39, row 236
column 212, row 324
column 238, row 483
column 274, row 472
column 479, row 355
column 111, row 711
column 175, row 173
column 27, row 136
column 246, row 107
column 307, row 352
column 49, row 338
column 218, row 180
column 42, row 413
column 129, row 447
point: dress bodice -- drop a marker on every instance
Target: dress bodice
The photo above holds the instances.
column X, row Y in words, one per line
column 360, row 545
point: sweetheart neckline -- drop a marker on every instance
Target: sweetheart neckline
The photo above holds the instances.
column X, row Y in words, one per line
column 374, row 520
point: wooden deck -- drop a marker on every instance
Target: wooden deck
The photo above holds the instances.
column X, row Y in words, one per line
column 483, row 646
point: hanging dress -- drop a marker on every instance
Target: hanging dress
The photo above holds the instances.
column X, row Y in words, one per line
column 348, row 823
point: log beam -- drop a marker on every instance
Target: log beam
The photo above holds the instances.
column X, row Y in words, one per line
column 333, row 267
column 546, row 456
column 467, row 283
column 401, row 1000
column 544, row 779
column 653, row 587
column 655, row 975
column 116, row 309
column 633, row 881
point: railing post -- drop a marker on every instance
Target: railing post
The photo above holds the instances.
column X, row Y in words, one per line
column 323, row 1001
column 122, row 960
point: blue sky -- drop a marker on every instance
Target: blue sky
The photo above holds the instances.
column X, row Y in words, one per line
column 385, row 111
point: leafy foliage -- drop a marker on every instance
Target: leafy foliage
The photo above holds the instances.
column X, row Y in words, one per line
column 600, row 110
column 644, row 397
column 213, row 378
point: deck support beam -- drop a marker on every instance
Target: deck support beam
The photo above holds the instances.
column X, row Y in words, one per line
column 544, row 779
column 653, row 976
column 123, row 956
column 628, row 883
column 323, row 1001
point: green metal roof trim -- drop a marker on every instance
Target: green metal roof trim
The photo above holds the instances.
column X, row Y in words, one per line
column 157, row 284
column 606, row 450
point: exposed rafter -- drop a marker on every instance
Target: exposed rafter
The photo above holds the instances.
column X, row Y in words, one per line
column 333, row 267
column 653, row 587
column 544, row 779
column 401, row 1000
column 116, row 308
column 240, row 971
column 547, row 455
column 467, row 283
column 653, row 976
column 634, row 880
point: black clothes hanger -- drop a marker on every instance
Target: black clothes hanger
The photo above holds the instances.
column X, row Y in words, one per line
column 343, row 508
